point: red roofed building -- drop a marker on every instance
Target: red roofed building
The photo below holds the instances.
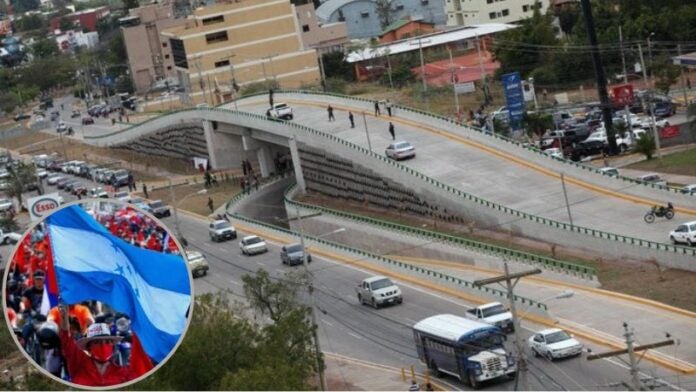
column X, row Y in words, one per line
column 404, row 28
column 86, row 19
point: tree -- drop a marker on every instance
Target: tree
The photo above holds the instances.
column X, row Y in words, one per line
column 45, row 48
column 537, row 123
column 666, row 74
column 646, row 145
column 19, row 178
column 385, row 12
column 30, row 22
column 129, row 4
column 66, row 24
column 567, row 18
column 21, row 6
column 336, row 66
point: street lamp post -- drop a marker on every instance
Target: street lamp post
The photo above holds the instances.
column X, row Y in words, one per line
column 369, row 144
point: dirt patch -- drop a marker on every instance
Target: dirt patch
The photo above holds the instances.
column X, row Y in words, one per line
column 642, row 279
column 188, row 200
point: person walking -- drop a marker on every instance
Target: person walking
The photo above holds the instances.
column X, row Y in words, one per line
column 391, row 130
column 377, row 111
column 331, row 115
column 351, row 119
column 145, row 191
column 210, row 204
column 389, row 108
column 256, row 182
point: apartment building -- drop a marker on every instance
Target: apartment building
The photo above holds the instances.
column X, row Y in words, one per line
column 149, row 57
column 235, row 44
column 471, row 12
column 326, row 38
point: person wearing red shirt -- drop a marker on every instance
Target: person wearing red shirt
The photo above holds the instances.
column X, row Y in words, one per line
column 90, row 360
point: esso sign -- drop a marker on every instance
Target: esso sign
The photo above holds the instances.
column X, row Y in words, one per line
column 39, row 206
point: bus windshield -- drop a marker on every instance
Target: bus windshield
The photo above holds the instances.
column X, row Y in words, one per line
column 483, row 341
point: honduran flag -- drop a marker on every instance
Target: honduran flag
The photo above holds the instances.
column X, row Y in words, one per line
column 152, row 288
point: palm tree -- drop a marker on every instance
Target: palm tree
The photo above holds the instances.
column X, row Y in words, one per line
column 20, row 176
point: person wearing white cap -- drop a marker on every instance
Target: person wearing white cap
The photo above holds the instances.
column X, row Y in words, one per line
column 90, row 359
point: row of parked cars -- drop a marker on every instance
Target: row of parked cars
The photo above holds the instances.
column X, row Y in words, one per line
column 104, row 175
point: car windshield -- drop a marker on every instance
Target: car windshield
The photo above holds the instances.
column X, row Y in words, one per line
column 557, row 337
column 493, row 310
column 192, row 257
column 253, row 240
column 380, row 284
column 402, row 145
column 222, row 225
column 294, row 248
column 281, row 106
column 120, row 173
column 156, row 204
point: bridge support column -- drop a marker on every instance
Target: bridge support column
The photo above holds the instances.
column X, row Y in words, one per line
column 210, row 142
column 265, row 161
column 295, row 154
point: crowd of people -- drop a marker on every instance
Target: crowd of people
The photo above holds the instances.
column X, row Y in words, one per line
column 86, row 343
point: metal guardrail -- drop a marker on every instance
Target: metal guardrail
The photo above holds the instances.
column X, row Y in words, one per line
column 574, row 269
column 313, row 133
column 381, row 259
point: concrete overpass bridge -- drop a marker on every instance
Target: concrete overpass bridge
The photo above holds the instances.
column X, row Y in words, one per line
column 460, row 174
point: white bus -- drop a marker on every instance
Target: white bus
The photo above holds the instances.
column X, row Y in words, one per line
column 469, row 350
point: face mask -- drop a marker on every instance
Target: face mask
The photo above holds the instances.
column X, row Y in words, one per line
column 102, row 351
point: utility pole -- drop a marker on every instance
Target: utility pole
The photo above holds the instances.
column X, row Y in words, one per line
column 625, row 78
column 320, row 368
column 631, row 350
column 369, row 145
column 511, row 280
column 233, row 82
column 599, row 71
column 653, row 123
column 484, row 81
column 322, row 73
column 422, row 62
column 389, row 72
column 197, row 64
column 565, row 195
column 681, row 69
column 454, row 84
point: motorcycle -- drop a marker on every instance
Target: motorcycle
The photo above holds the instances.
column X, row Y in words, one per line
column 655, row 211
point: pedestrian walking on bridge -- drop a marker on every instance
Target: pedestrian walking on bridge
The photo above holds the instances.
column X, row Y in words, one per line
column 352, row 120
column 391, row 130
column 331, row 115
column 210, row 204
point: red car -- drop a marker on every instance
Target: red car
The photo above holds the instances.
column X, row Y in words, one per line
column 87, row 120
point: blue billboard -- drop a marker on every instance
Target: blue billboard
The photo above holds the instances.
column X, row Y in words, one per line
column 514, row 98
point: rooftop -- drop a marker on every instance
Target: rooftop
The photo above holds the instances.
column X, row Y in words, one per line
column 428, row 40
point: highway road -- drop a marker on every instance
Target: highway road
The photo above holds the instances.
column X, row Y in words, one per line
column 384, row 336
column 467, row 166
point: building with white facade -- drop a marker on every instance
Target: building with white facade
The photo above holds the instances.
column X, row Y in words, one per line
column 470, row 12
column 68, row 41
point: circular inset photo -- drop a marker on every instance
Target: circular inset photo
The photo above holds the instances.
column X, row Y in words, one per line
column 98, row 294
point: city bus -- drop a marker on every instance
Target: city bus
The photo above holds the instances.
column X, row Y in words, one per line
column 469, row 350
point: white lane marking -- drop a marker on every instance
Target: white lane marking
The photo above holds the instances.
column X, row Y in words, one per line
column 355, row 336
column 235, row 282
column 327, row 323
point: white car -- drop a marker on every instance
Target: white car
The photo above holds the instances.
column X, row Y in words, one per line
column 689, row 189
column 685, row 233
column 5, row 204
column 53, row 179
column 99, row 192
column 221, row 230
column 554, row 152
column 41, row 173
column 123, row 196
column 252, row 245
column 652, row 178
column 609, row 171
column 400, row 150
column 554, row 343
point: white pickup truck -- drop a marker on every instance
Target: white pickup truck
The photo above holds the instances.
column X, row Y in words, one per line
column 9, row 238
column 493, row 313
column 378, row 291
column 281, row 111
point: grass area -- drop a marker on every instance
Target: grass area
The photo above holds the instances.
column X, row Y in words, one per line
column 188, row 200
column 683, row 163
column 641, row 279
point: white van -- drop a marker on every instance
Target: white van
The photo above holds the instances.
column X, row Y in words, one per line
column 652, row 178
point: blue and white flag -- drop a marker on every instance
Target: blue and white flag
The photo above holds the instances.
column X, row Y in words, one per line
column 152, row 288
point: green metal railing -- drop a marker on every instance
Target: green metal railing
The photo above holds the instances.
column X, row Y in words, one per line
column 361, row 254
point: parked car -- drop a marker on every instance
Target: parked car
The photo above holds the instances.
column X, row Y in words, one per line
column 99, row 192
column 689, row 189
column 75, row 114
column 53, row 178
column 140, row 203
column 400, row 150
column 554, row 152
column 60, row 184
column 553, row 344
column 9, row 237
column 87, row 120
column 122, row 196
column 79, row 189
column 221, row 230
column 684, row 233
column 664, row 109
column 41, row 173
column 5, row 205
column 252, row 245
column 609, row 171
column 652, row 178
column 159, row 209
column 293, row 254
column 197, row 263
column 587, row 148
column 70, row 185
column 61, row 127
column 378, row 291
column 21, row 116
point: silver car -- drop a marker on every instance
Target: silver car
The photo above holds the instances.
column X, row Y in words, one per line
column 400, row 150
